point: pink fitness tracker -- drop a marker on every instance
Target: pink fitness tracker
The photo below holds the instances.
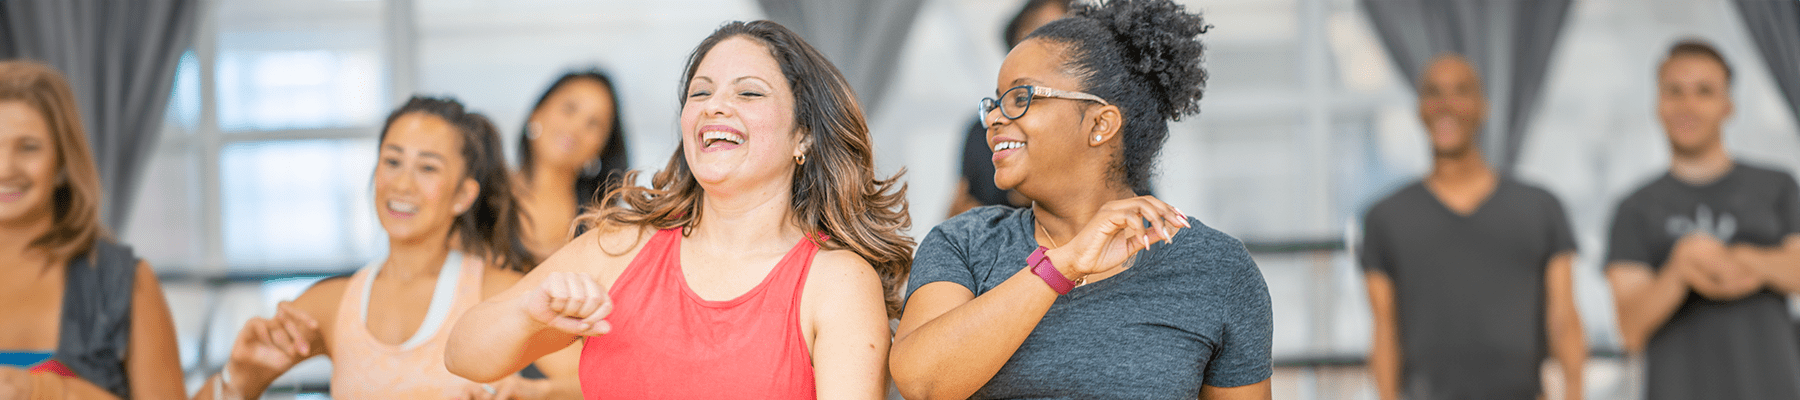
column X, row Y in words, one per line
column 1040, row 265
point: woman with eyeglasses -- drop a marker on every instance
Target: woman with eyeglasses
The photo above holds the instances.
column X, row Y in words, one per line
column 1092, row 292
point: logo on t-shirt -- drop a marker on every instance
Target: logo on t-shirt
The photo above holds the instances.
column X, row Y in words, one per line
column 1723, row 228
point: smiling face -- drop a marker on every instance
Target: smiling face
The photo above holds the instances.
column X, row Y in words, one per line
column 420, row 179
column 28, row 164
column 1451, row 105
column 1054, row 139
column 737, row 121
column 1693, row 101
column 573, row 124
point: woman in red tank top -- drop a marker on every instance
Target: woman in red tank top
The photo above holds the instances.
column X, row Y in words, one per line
column 762, row 263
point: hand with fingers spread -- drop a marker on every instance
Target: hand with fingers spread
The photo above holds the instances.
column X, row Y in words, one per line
column 1116, row 233
column 571, row 302
column 270, row 346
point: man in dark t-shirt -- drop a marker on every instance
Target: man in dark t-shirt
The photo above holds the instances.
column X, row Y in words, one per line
column 1468, row 272
column 1702, row 257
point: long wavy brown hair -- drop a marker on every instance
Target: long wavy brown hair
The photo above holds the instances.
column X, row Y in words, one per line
column 835, row 192
column 76, row 223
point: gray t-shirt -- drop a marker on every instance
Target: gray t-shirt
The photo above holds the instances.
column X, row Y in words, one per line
column 1740, row 349
column 1468, row 290
column 1192, row 313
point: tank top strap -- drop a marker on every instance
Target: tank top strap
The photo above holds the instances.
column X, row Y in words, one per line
column 350, row 306
column 658, row 256
column 790, row 273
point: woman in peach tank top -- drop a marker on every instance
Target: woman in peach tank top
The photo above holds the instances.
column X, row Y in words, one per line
column 366, row 367
column 442, row 195
column 762, row 263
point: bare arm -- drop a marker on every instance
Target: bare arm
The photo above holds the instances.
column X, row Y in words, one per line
column 1568, row 341
column 1254, row 391
column 152, row 363
column 951, row 342
column 1644, row 299
column 559, row 301
column 560, row 368
column 1384, row 353
column 1778, row 266
column 848, row 326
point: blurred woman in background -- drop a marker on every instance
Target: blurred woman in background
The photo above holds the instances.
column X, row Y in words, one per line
column 444, row 197
column 571, row 152
column 80, row 316
column 757, row 265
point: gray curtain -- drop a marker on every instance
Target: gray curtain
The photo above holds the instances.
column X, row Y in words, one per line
column 120, row 59
column 1509, row 41
column 1775, row 27
column 862, row 37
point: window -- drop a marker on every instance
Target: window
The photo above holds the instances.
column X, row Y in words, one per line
column 269, row 141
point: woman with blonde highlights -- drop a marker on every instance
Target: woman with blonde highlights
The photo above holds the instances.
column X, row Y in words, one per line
column 763, row 261
column 80, row 316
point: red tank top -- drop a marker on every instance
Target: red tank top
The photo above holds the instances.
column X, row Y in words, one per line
column 668, row 343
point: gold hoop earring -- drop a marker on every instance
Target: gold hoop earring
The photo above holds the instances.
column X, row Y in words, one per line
column 800, row 159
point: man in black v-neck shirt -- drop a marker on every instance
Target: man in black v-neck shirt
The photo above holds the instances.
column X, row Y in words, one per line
column 1468, row 272
column 1702, row 257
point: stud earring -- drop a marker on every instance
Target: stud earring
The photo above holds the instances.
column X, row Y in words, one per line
column 1098, row 138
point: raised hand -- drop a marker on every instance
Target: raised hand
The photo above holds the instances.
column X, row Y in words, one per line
column 1116, row 233
column 269, row 346
column 571, row 302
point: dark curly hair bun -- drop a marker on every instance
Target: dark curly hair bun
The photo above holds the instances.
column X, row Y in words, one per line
column 1142, row 56
column 1158, row 43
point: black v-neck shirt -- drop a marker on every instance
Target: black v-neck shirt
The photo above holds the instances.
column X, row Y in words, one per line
column 1468, row 289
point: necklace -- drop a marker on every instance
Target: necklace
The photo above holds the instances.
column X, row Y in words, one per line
column 1129, row 261
column 1078, row 281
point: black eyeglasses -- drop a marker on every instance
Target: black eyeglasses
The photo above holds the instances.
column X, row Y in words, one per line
column 1017, row 100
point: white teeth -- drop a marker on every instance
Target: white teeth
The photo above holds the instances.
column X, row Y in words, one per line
column 709, row 136
column 1007, row 145
column 403, row 207
column 12, row 189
